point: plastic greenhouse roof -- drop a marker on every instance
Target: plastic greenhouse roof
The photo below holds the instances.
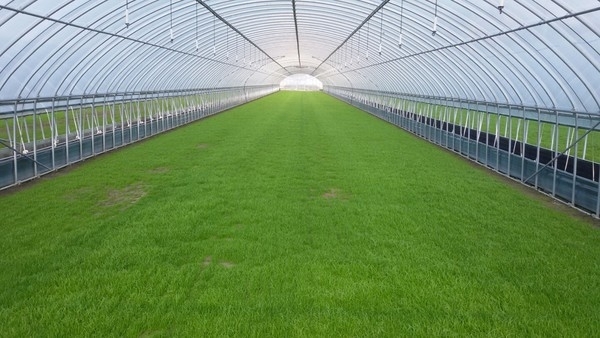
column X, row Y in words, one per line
column 542, row 53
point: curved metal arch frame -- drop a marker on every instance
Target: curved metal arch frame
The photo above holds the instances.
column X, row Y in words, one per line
column 93, row 36
column 487, row 48
column 53, row 66
column 126, row 57
column 60, row 29
column 157, row 78
column 523, row 79
column 430, row 67
column 524, row 49
column 162, row 59
column 9, row 75
column 217, row 75
column 506, row 65
column 439, row 84
column 472, row 34
column 422, row 31
column 566, row 82
column 82, row 42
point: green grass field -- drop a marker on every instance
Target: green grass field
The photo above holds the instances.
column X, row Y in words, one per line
column 294, row 215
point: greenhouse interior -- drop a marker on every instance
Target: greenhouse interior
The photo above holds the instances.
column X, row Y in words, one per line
column 510, row 86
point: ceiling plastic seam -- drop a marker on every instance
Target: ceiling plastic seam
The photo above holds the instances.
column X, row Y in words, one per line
column 296, row 27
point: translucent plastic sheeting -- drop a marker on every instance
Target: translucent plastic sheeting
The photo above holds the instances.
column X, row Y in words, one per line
column 542, row 53
column 301, row 82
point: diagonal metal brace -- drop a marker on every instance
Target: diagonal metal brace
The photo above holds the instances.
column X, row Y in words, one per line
column 3, row 142
column 563, row 152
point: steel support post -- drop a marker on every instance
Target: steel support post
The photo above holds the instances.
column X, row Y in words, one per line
column 523, row 143
column 54, row 135
column 555, row 164
column 35, row 162
column 81, row 129
column 575, row 160
column 539, row 145
column 15, row 162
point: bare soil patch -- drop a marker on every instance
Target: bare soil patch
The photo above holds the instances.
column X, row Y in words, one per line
column 77, row 194
column 334, row 193
column 159, row 170
column 207, row 261
column 151, row 333
column 331, row 193
column 202, row 146
column 227, row 264
column 124, row 197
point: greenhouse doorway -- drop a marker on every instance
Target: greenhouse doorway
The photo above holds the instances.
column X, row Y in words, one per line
column 301, row 82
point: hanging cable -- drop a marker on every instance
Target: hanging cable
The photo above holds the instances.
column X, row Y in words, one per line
column 401, row 19
column 236, row 47
column 196, row 17
column 351, row 52
column 368, row 33
column 381, row 31
column 214, row 36
column 127, row 13
column 435, row 20
column 358, row 49
column 227, row 47
column 345, row 55
column 171, row 14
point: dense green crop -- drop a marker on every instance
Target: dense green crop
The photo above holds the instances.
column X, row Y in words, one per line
column 294, row 215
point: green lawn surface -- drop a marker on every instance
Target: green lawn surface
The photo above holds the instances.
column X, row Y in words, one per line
column 293, row 215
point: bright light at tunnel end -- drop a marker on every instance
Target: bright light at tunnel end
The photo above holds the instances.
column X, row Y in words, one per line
column 301, row 82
